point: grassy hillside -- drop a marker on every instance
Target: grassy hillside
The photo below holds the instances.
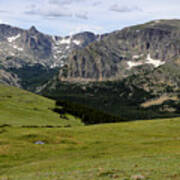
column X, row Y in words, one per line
column 19, row 107
column 113, row 151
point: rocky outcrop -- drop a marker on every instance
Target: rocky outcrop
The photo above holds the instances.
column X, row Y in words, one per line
column 9, row 78
column 123, row 53
column 22, row 50
column 125, row 69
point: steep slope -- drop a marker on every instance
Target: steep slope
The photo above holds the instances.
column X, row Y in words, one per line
column 126, row 52
column 145, row 95
column 19, row 107
column 28, row 53
column 134, row 73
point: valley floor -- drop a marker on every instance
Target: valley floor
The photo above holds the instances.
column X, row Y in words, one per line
column 111, row 151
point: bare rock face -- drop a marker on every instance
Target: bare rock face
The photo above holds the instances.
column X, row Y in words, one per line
column 9, row 78
column 140, row 56
column 139, row 64
column 126, row 52
column 37, row 44
column 29, row 53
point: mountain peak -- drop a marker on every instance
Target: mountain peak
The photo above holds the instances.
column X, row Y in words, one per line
column 33, row 29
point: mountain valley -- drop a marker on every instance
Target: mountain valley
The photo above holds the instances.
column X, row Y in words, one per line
column 133, row 73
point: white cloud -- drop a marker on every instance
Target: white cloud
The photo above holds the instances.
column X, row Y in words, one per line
column 3, row 22
column 63, row 16
column 62, row 2
column 82, row 15
column 86, row 27
column 124, row 9
column 49, row 10
column 56, row 9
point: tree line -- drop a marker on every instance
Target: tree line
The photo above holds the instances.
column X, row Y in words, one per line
column 87, row 114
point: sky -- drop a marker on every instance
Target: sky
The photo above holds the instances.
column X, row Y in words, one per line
column 66, row 17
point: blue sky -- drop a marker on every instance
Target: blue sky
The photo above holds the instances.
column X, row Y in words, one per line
column 64, row 17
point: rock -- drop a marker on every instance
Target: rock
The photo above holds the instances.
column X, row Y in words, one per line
column 137, row 177
column 39, row 142
column 119, row 54
column 23, row 50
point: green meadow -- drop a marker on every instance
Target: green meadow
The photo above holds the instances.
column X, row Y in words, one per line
column 110, row 151
column 19, row 107
column 71, row 151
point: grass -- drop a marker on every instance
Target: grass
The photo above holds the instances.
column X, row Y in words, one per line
column 100, row 152
column 19, row 107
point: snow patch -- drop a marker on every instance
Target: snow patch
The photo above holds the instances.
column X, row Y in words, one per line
column 136, row 56
column 58, row 51
column 155, row 62
column 59, row 64
column 132, row 64
column 77, row 42
column 65, row 41
column 67, row 47
column 13, row 38
column 12, row 54
column 53, row 66
column 18, row 48
column 62, row 64
column 63, row 56
column 55, row 56
column 54, row 38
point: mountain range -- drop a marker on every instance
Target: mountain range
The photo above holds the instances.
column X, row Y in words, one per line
column 28, row 57
column 136, row 68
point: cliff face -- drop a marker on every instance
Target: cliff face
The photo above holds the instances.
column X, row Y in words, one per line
column 124, row 71
column 126, row 52
column 28, row 53
column 143, row 58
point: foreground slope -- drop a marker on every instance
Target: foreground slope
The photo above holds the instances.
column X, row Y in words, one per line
column 114, row 151
column 19, row 107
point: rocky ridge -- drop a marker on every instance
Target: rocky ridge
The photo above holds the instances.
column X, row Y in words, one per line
column 125, row 52
column 20, row 49
column 128, row 68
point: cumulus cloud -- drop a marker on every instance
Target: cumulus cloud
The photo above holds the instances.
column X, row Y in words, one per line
column 86, row 27
column 52, row 9
column 49, row 12
column 3, row 11
column 2, row 21
column 124, row 9
column 62, row 16
column 96, row 3
column 82, row 15
column 61, row 2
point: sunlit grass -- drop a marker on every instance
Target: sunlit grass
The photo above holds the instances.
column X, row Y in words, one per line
column 19, row 107
column 110, row 151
